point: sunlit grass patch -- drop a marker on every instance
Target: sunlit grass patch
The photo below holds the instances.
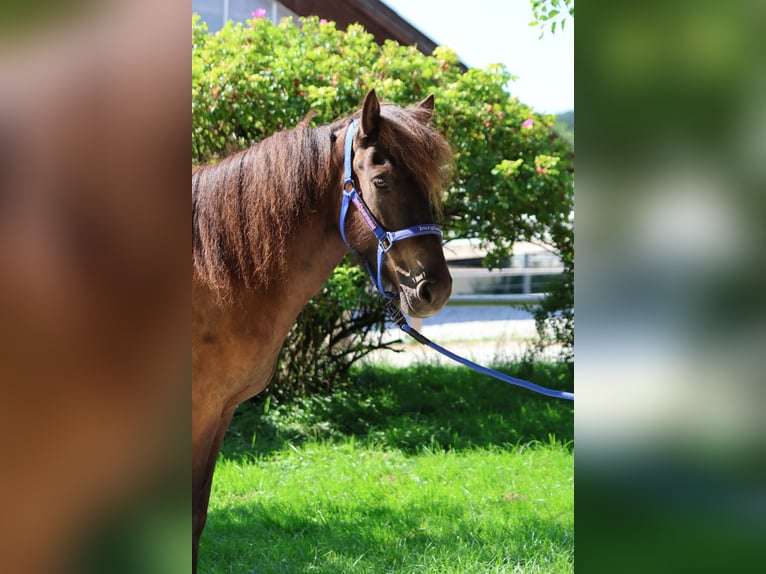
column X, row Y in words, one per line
column 419, row 470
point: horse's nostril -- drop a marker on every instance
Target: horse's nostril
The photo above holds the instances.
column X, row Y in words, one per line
column 424, row 291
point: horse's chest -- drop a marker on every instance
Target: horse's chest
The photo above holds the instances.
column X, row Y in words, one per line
column 231, row 357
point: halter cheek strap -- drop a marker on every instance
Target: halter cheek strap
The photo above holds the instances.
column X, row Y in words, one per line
column 386, row 239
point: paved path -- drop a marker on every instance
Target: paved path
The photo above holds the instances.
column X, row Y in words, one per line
column 483, row 334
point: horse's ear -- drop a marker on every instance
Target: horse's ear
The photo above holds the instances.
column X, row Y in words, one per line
column 425, row 108
column 370, row 114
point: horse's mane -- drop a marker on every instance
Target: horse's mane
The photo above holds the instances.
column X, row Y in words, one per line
column 246, row 208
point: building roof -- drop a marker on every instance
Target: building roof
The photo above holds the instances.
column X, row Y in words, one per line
column 376, row 17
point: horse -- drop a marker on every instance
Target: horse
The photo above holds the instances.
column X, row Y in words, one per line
column 269, row 225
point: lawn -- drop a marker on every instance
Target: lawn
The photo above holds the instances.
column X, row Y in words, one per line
column 424, row 469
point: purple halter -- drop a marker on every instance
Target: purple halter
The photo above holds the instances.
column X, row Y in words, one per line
column 386, row 239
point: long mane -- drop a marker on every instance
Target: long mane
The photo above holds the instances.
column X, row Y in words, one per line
column 246, row 207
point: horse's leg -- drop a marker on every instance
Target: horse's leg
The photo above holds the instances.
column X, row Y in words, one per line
column 206, row 447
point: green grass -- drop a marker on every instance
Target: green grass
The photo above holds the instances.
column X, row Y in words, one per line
column 426, row 469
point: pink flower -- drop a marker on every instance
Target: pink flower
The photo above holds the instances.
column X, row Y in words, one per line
column 323, row 21
column 528, row 123
column 259, row 13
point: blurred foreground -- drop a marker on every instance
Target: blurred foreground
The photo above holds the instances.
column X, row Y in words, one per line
column 94, row 292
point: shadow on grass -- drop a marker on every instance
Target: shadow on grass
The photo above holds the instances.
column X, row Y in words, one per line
column 448, row 408
column 268, row 538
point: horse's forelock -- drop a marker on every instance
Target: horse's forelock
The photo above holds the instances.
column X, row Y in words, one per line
column 422, row 150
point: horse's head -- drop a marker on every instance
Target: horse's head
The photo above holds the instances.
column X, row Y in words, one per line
column 400, row 165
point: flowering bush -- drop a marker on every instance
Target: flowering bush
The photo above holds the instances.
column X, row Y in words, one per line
column 514, row 175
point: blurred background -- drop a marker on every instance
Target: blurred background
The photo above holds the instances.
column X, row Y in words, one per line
column 670, row 325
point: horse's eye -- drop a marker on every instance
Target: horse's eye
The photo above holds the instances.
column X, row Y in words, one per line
column 380, row 183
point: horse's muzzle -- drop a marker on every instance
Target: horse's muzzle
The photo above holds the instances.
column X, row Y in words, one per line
column 427, row 297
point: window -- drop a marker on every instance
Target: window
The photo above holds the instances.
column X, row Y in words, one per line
column 242, row 10
column 210, row 11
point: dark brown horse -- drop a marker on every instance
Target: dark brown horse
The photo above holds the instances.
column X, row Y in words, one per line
column 266, row 236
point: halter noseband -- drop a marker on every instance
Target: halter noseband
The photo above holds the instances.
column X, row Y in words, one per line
column 386, row 239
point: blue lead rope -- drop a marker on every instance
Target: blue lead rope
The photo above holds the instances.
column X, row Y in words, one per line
column 398, row 317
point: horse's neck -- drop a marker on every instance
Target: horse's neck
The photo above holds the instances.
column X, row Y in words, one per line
column 234, row 345
column 252, row 328
column 315, row 249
